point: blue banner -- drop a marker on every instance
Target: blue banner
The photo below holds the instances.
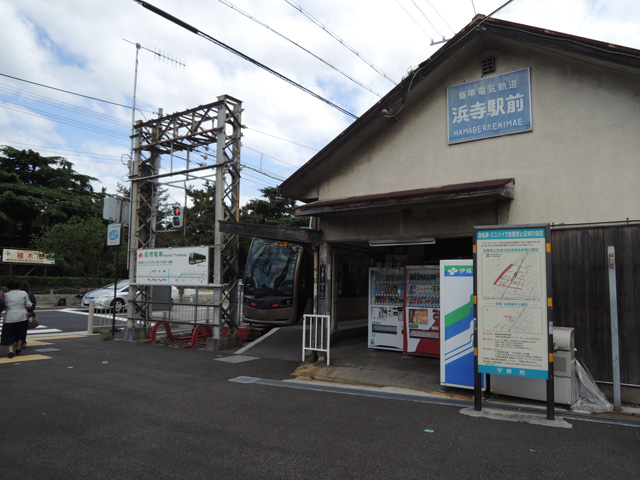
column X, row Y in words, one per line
column 490, row 107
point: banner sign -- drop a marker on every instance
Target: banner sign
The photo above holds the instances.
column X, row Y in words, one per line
column 490, row 107
column 184, row 266
column 511, row 288
column 456, row 313
column 26, row 257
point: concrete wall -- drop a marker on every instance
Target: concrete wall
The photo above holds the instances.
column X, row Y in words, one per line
column 579, row 164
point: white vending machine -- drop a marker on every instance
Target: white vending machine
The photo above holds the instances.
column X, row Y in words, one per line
column 422, row 311
column 386, row 305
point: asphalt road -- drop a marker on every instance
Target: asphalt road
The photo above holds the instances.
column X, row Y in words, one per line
column 64, row 320
column 122, row 410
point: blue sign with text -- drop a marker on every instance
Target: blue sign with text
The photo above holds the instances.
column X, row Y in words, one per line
column 490, row 107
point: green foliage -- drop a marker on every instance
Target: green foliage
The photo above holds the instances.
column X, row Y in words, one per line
column 78, row 246
column 273, row 210
column 38, row 192
column 40, row 284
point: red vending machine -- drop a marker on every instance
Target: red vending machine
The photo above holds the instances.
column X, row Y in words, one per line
column 422, row 311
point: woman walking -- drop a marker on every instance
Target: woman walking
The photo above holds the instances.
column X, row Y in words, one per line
column 15, row 319
column 31, row 311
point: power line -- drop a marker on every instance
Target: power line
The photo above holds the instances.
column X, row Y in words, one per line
column 283, row 139
column 193, row 29
column 441, row 17
column 70, row 93
column 230, row 5
column 337, row 38
column 414, row 20
column 62, row 105
column 60, row 119
column 66, row 152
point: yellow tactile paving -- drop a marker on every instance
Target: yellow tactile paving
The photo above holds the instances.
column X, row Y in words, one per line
column 61, row 337
column 23, row 358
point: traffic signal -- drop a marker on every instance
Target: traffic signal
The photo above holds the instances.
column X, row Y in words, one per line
column 176, row 216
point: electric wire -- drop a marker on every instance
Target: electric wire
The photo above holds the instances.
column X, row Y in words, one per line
column 72, row 93
column 427, row 19
column 360, row 84
column 441, row 17
column 283, row 139
column 338, row 39
column 60, row 119
column 414, row 21
column 194, row 30
column 64, row 151
column 62, row 105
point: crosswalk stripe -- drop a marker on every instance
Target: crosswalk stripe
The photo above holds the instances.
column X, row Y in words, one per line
column 40, row 330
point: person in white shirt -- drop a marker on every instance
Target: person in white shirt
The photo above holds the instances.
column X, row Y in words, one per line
column 15, row 318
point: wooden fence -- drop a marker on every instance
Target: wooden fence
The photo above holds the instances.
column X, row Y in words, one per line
column 581, row 295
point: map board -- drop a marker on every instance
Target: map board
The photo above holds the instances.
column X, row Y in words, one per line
column 512, row 302
column 184, row 266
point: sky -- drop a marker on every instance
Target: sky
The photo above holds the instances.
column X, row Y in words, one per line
column 67, row 69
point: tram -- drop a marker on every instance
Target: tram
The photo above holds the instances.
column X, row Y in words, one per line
column 278, row 283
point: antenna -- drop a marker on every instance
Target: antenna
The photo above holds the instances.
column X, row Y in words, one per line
column 159, row 56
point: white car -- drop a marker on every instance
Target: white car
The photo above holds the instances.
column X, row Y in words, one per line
column 104, row 297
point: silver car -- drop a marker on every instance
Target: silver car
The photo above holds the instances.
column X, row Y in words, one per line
column 104, row 297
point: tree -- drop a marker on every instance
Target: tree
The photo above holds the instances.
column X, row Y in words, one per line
column 38, row 192
column 273, row 210
column 78, row 246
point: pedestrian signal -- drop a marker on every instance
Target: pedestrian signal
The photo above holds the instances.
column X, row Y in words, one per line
column 176, row 216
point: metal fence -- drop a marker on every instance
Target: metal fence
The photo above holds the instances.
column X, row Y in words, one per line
column 316, row 335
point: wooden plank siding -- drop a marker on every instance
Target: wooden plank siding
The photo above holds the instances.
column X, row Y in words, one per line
column 581, row 295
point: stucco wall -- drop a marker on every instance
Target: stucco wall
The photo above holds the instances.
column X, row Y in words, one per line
column 579, row 164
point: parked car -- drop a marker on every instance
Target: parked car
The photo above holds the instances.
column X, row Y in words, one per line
column 104, row 297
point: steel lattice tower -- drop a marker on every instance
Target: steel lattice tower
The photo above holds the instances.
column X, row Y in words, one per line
column 219, row 123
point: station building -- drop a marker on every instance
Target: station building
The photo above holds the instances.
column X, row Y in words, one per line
column 506, row 124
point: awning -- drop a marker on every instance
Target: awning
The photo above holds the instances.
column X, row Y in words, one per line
column 458, row 193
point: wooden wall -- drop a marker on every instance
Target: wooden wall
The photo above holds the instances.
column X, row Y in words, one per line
column 581, row 295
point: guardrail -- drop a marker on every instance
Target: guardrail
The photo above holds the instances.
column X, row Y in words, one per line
column 103, row 320
column 316, row 335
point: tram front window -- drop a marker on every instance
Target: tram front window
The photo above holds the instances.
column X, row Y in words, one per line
column 271, row 268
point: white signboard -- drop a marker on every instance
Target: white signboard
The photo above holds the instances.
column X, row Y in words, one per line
column 27, row 257
column 511, row 286
column 184, row 266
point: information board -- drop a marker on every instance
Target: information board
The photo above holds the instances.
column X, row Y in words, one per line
column 184, row 266
column 511, row 288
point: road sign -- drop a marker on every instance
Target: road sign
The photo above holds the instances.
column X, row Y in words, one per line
column 114, row 234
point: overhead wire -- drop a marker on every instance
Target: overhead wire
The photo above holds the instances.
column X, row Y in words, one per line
column 58, row 118
column 414, row 20
column 250, row 17
column 339, row 40
column 30, row 96
column 427, row 19
column 202, row 34
column 441, row 17
column 71, row 93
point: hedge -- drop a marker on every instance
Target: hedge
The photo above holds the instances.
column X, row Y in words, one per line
column 39, row 284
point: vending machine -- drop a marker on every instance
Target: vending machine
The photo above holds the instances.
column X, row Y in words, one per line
column 422, row 311
column 386, row 302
